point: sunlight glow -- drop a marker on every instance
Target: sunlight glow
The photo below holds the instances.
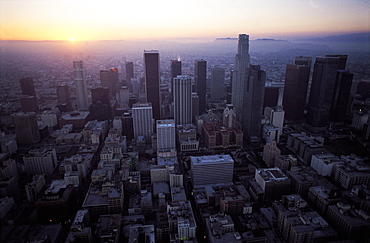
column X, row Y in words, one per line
column 72, row 39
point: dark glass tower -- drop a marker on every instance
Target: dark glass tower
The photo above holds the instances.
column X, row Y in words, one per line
column 200, row 83
column 175, row 70
column 27, row 86
column 64, row 99
column 252, row 106
column 109, row 79
column 323, row 89
column 342, row 88
column 100, row 108
column 217, row 83
column 129, row 71
column 295, row 91
column 152, row 81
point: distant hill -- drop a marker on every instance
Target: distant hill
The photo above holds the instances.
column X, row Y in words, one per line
column 356, row 37
column 226, row 39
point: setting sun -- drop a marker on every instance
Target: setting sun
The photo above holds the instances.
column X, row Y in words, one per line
column 72, row 39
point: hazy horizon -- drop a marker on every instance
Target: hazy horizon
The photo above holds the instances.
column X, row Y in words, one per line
column 190, row 20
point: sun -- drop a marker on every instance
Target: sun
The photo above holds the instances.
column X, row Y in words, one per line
column 72, row 39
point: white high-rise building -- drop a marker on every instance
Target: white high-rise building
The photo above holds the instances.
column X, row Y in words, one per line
column 81, row 90
column 142, row 116
column 241, row 64
column 182, row 99
column 166, row 139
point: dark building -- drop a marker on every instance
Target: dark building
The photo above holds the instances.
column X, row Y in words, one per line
column 252, row 106
column 64, row 99
column 100, row 108
column 109, row 79
column 342, row 88
column 175, row 70
column 323, row 89
column 26, row 128
column 152, row 81
column 127, row 126
column 217, row 83
column 129, row 70
column 100, row 94
column 200, row 83
column 303, row 61
column 295, row 91
column 194, row 105
column 363, row 89
column 29, row 103
column 27, row 86
column 271, row 96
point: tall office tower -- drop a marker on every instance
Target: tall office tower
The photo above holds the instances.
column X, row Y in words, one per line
column 26, row 128
column 252, row 105
column 127, row 126
column 64, row 99
column 340, row 102
column 100, row 109
column 175, row 68
column 194, row 105
column 295, row 91
column 166, row 138
column 129, row 70
column 217, row 83
column 303, row 61
column 109, row 79
column 182, row 100
column 322, row 89
column 152, row 81
column 81, row 90
column 200, row 82
column 29, row 103
column 175, row 71
column 27, row 86
column 142, row 115
column 238, row 75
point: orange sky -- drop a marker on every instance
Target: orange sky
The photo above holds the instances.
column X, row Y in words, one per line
column 165, row 19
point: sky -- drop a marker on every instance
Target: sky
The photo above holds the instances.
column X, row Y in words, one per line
column 90, row 20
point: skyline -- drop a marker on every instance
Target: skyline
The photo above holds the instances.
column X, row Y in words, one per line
column 83, row 20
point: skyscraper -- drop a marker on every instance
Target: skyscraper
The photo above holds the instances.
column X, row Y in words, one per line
column 238, row 78
column 295, row 91
column 340, row 102
column 109, row 78
column 27, row 86
column 26, row 128
column 64, row 98
column 100, row 108
column 175, row 71
column 217, row 83
column 323, row 88
column 175, row 68
column 152, row 81
column 166, row 135
column 142, row 115
column 252, row 106
column 29, row 103
column 80, row 81
column 200, row 82
column 182, row 100
column 129, row 70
